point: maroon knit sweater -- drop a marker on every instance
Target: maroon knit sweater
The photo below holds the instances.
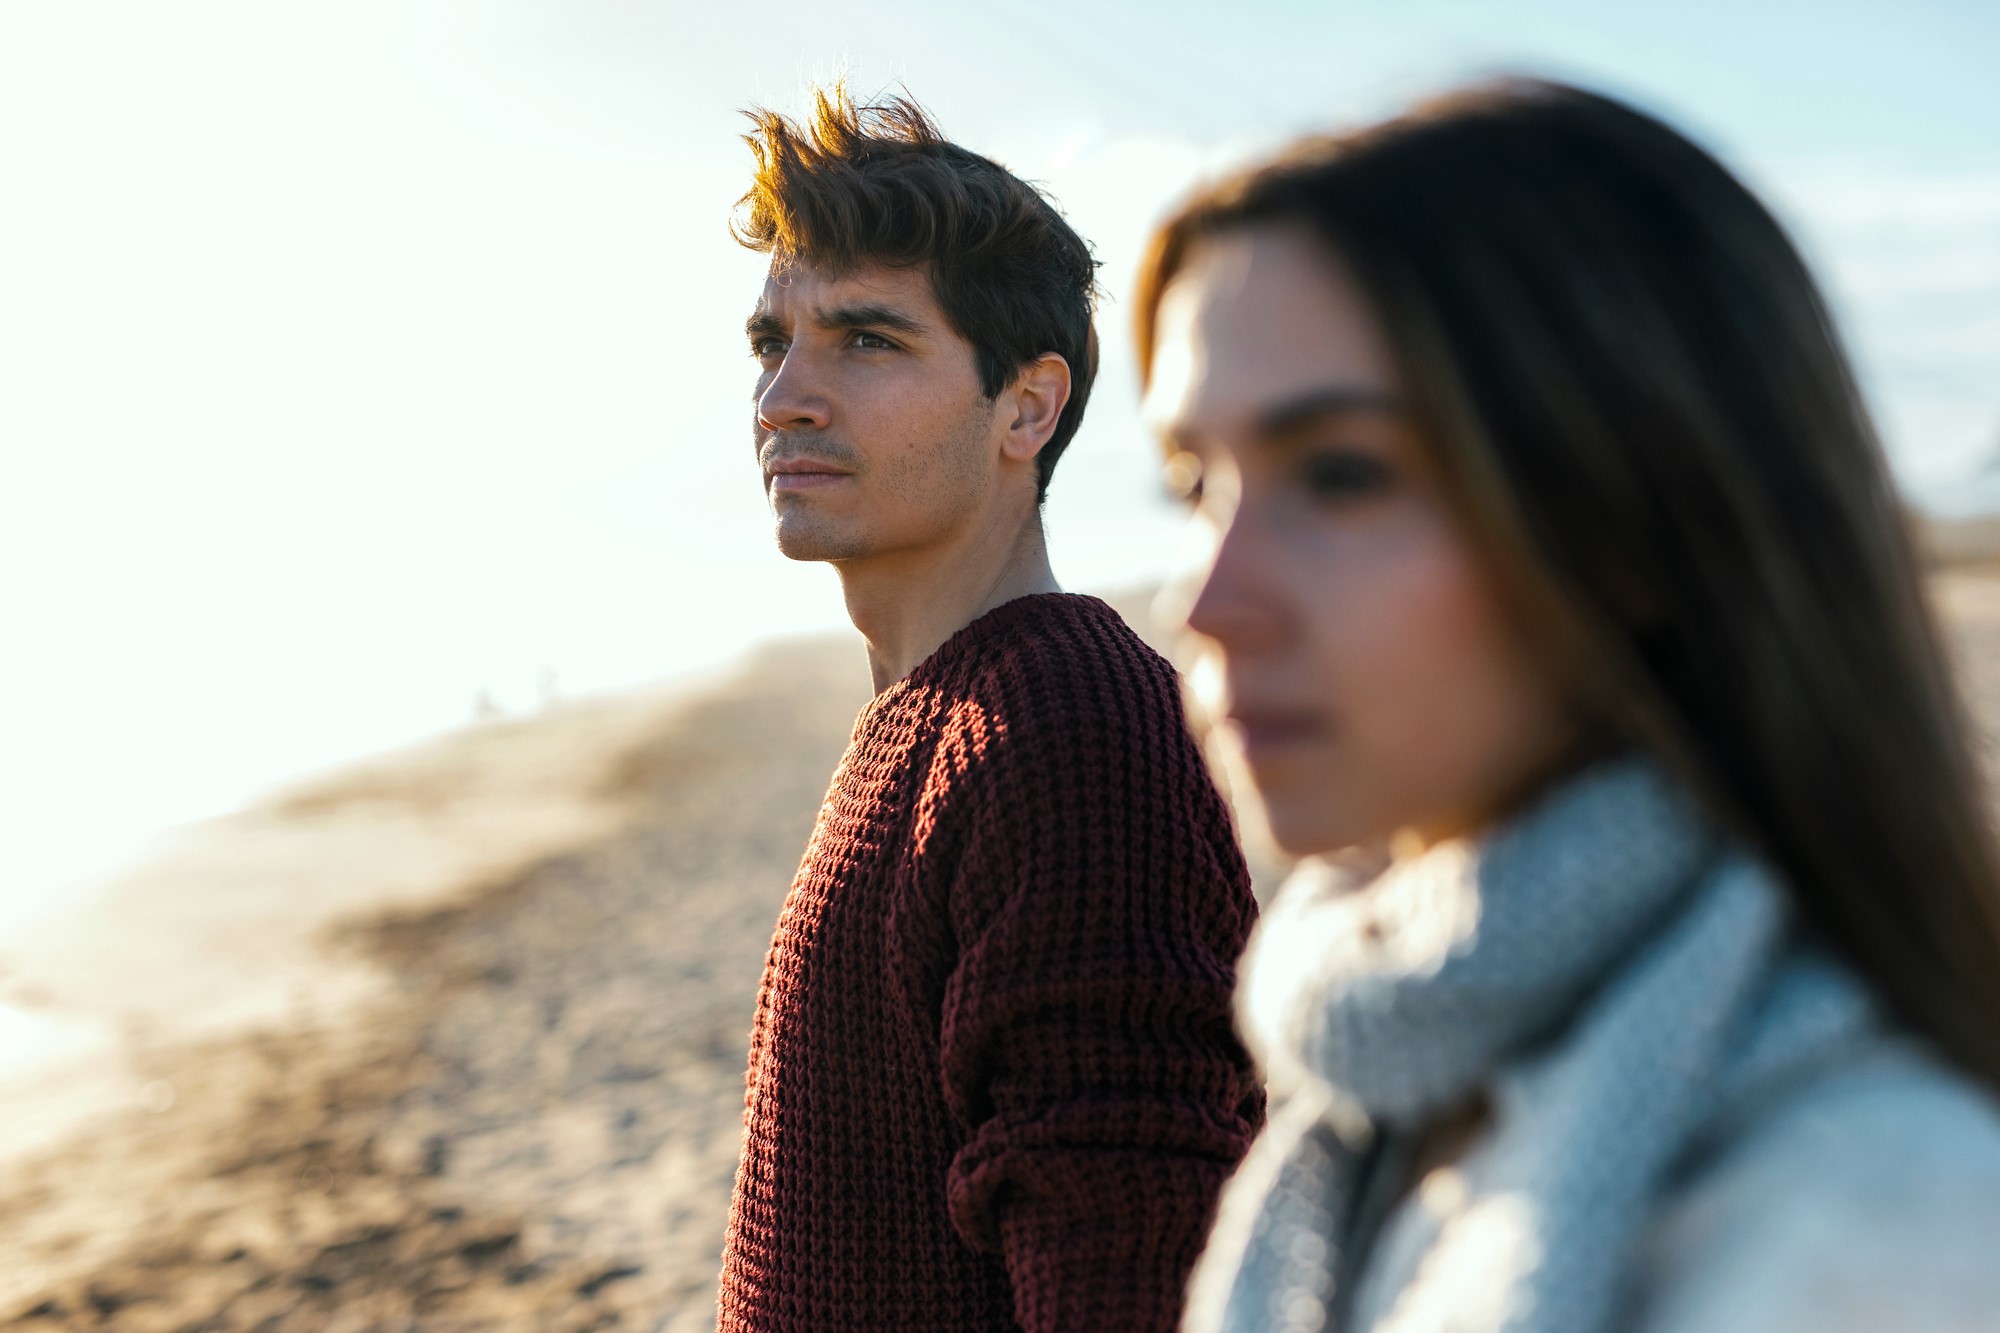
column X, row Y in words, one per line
column 994, row 1081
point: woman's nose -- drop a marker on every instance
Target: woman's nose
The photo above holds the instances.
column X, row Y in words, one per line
column 1239, row 605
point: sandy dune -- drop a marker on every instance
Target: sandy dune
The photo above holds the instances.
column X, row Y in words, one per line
column 452, row 1040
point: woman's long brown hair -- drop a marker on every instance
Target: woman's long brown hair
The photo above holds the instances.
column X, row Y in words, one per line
column 1651, row 430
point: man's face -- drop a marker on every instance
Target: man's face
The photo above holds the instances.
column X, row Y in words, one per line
column 872, row 430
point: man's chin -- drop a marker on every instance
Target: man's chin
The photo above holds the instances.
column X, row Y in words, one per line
column 805, row 541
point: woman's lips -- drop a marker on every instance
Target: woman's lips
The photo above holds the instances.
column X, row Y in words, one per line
column 1269, row 734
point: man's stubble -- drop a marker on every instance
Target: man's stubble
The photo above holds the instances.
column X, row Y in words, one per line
column 910, row 498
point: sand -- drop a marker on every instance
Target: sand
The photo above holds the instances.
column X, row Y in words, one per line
column 451, row 1040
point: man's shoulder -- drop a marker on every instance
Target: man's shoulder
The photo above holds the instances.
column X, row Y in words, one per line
column 1059, row 689
column 1056, row 651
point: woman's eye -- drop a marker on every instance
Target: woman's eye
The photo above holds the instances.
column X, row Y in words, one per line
column 1343, row 475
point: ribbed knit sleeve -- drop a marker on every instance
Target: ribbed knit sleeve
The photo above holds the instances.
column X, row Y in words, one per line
column 1087, row 1047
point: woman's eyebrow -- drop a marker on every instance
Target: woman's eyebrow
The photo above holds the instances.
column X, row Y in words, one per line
column 1291, row 417
column 1308, row 409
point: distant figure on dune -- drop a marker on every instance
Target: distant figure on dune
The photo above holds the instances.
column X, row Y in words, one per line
column 993, row 1081
column 1649, row 979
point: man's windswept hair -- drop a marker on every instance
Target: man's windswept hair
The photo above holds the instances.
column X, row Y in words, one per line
column 877, row 183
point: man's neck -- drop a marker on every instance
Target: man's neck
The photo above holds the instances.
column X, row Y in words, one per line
column 906, row 606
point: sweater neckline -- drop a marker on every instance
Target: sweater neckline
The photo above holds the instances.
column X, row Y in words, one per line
column 969, row 637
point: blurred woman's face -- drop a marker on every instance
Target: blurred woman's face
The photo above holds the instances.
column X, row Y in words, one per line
column 1368, row 674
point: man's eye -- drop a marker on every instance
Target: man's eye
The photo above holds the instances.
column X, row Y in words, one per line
column 763, row 347
column 1342, row 475
column 1181, row 475
column 871, row 340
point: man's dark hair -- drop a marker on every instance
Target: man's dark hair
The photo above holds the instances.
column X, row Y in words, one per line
column 878, row 183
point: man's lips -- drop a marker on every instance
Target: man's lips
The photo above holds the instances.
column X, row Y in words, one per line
column 802, row 474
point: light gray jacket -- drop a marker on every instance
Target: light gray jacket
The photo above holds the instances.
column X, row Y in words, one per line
column 1866, row 1200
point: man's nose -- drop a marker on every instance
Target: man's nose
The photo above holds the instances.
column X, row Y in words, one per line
column 792, row 400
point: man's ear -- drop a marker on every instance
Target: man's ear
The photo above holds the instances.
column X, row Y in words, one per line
column 1035, row 398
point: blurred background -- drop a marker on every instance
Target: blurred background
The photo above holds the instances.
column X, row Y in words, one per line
column 406, row 733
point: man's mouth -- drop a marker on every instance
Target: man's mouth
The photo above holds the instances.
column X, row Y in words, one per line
column 802, row 474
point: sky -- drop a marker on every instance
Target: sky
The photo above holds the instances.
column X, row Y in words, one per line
column 364, row 361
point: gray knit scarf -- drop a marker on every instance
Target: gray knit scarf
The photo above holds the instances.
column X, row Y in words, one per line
column 1607, row 970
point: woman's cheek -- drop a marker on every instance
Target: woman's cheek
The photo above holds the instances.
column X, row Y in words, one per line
column 1491, row 719
column 1415, row 656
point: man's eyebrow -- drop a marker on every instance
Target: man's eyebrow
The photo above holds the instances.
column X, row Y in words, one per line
column 1294, row 415
column 765, row 324
column 868, row 317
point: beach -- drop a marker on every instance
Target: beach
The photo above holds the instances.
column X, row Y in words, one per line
column 453, row 1038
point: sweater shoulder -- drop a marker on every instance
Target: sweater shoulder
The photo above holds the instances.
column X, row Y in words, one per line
column 1867, row 1199
column 1055, row 699
column 1067, row 659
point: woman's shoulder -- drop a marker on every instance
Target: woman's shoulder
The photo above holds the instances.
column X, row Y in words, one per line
column 1867, row 1198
